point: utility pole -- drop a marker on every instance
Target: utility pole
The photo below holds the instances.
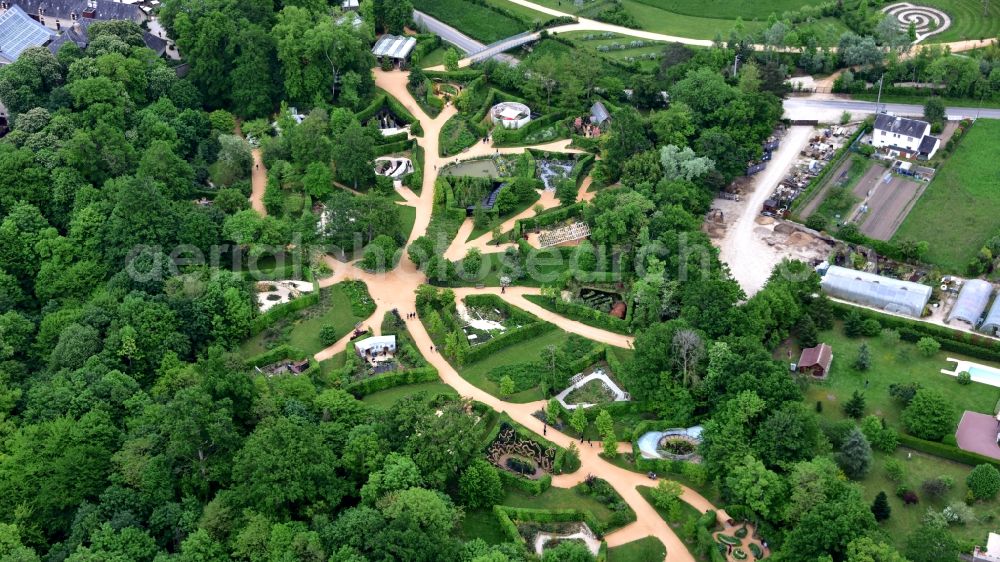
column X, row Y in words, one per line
column 878, row 100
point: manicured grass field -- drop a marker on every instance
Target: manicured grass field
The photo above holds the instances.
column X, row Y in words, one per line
column 557, row 498
column 729, row 9
column 522, row 352
column 302, row 328
column 887, row 368
column 474, row 20
column 407, row 216
column 482, row 524
column 918, row 468
column 617, row 55
column 967, row 20
column 649, row 549
column 434, row 57
column 384, row 399
column 522, row 12
column 959, row 209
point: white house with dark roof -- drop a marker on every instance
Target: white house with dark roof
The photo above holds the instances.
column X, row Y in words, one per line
column 905, row 137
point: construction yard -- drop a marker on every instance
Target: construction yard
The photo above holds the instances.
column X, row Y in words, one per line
column 751, row 243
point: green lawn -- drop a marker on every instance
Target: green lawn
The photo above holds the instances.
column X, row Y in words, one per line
column 729, row 9
column 384, row 399
column 557, row 498
column 523, row 12
column 959, row 209
column 887, row 368
column 474, row 20
column 686, row 513
column 967, row 21
column 522, row 352
column 407, row 216
column 434, row 58
column 482, row 524
column 301, row 329
column 649, row 549
column 918, row 468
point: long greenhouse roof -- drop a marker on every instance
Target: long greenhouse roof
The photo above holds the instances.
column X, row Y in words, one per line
column 878, row 291
column 972, row 301
column 394, row 47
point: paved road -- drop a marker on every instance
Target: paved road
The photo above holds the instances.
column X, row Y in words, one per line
column 831, row 109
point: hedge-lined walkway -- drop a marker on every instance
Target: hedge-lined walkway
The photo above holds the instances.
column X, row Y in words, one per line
column 515, row 297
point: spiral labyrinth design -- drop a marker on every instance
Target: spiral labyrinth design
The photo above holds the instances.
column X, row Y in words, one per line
column 927, row 21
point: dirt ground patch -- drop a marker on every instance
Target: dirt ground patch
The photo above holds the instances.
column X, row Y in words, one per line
column 886, row 200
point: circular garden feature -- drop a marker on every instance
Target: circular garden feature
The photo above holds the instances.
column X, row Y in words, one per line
column 678, row 447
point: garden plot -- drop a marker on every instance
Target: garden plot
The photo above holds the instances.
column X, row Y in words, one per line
column 581, row 533
column 592, row 387
column 273, row 293
column 551, row 172
column 886, row 199
column 481, row 323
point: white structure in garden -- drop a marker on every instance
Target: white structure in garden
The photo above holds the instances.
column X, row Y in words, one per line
column 510, row 114
column 580, row 379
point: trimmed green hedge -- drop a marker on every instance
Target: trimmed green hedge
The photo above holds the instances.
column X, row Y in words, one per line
column 384, row 99
column 545, row 218
column 507, row 339
column 581, row 313
column 390, row 380
column 279, row 353
column 395, row 138
column 394, row 147
column 965, row 343
column 943, row 450
column 545, row 516
column 508, row 526
column 464, row 76
column 533, row 487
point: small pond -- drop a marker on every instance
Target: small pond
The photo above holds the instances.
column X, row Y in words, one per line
column 484, row 168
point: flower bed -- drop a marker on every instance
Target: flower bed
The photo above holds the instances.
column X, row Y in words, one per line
column 726, row 539
column 741, row 532
column 739, row 554
column 756, row 550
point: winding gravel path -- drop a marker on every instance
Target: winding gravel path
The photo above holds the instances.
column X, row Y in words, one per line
column 396, row 289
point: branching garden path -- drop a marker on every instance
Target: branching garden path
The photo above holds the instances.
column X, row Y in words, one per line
column 396, row 289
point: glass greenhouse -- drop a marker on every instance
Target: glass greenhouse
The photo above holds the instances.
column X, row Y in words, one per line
column 972, row 301
column 876, row 291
